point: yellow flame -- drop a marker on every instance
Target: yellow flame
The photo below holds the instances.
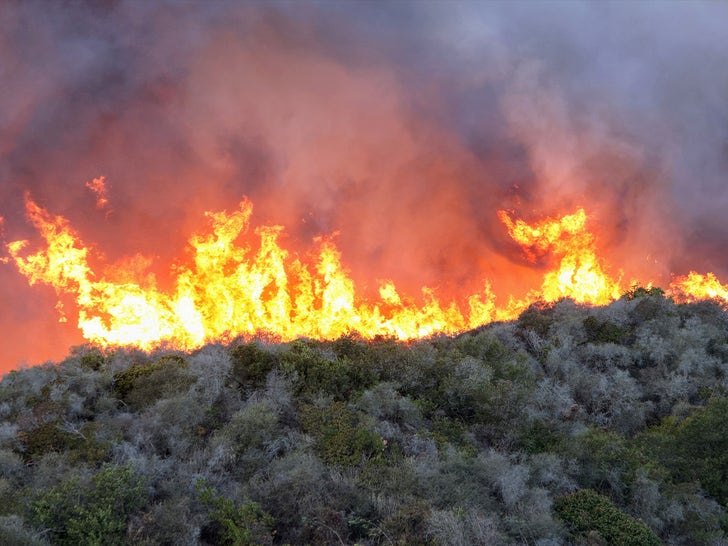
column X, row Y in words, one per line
column 229, row 290
column 694, row 287
column 580, row 275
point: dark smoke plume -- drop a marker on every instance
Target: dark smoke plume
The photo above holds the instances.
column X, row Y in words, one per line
column 402, row 126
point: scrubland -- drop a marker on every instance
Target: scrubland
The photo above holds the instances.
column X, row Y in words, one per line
column 570, row 425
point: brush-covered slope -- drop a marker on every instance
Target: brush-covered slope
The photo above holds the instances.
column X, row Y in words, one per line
column 571, row 425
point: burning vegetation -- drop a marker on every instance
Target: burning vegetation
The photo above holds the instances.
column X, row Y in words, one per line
column 232, row 286
column 433, row 319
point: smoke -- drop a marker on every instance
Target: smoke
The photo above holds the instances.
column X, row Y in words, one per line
column 402, row 127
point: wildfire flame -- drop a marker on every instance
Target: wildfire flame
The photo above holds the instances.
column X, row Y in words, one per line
column 695, row 287
column 229, row 290
column 580, row 275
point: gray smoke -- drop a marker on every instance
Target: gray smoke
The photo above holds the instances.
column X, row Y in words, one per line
column 402, row 126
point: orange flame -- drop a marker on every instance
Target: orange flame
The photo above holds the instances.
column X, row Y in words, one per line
column 229, row 290
column 695, row 286
column 580, row 275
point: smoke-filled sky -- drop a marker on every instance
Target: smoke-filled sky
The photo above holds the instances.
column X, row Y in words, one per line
column 403, row 126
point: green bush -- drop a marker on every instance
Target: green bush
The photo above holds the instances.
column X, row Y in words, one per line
column 353, row 347
column 598, row 331
column 235, row 523
column 45, row 438
column 141, row 385
column 319, row 373
column 51, row 437
column 702, row 443
column 447, row 432
column 696, row 448
column 341, row 437
column 93, row 360
column 587, row 513
column 96, row 513
column 637, row 292
column 250, row 365
column 538, row 318
column 650, row 308
column 538, row 437
column 248, row 436
column 605, row 459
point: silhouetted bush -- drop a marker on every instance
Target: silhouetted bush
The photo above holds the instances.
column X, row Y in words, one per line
column 602, row 331
column 250, row 365
column 144, row 384
column 537, row 318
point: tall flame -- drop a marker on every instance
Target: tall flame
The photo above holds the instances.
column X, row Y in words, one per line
column 229, row 290
column 580, row 275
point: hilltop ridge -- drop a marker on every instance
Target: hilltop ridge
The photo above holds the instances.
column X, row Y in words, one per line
column 570, row 425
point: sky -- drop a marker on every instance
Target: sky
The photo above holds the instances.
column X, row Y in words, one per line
column 402, row 127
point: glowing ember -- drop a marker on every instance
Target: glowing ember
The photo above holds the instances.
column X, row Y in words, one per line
column 229, row 290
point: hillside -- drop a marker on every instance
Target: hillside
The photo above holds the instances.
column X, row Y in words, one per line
column 570, row 425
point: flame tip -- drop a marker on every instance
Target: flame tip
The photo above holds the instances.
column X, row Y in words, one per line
column 224, row 292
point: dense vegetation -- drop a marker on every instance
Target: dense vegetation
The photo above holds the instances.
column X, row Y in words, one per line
column 571, row 425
